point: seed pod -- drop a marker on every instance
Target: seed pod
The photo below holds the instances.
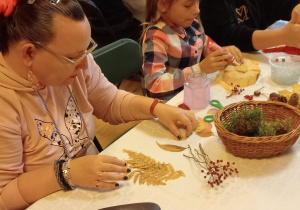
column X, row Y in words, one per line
column 274, row 97
column 283, row 99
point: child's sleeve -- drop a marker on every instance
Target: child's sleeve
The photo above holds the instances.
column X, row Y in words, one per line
column 210, row 46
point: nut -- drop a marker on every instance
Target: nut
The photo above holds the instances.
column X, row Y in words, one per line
column 257, row 93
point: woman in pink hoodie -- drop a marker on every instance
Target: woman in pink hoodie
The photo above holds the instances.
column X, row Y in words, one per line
column 50, row 88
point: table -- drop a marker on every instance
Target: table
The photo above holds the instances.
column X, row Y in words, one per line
column 269, row 183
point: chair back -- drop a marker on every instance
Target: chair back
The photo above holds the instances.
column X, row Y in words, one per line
column 119, row 60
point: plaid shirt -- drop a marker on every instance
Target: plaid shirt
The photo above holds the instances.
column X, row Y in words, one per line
column 169, row 57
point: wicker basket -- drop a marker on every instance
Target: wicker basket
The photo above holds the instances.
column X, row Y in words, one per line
column 259, row 147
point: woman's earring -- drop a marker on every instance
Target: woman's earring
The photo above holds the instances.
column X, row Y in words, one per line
column 31, row 1
column 33, row 80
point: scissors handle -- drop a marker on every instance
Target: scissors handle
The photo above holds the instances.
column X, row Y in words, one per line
column 209, row 118
column 216, row 104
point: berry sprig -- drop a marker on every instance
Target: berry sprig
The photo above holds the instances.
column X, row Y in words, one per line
column 236, row 90
column 249, row 97
column 215, row 172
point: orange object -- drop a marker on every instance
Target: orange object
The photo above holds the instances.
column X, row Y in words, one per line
column 153, row 105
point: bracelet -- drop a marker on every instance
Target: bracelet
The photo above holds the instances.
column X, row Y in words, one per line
column 59, row 175
column 56, row 171
column 67, row 174
column 153, row 105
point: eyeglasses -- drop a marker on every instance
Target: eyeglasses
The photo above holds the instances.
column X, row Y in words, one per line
column 92, row 46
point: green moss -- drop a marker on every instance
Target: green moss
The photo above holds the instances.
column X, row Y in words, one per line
column 245, row 122
column 251, row 123
column 266, row 129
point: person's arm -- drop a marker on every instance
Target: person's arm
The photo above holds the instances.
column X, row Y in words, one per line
column 22, row 185
column 18, row 188
column 117, row 106
column 288, row 35
column 18, row 192
column 220, row 22
column 139, row 108
column 34, row 185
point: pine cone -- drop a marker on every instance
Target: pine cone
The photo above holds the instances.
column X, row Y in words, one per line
column 294, row 99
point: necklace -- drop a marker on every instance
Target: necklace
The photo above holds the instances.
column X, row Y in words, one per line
column 184, row 32
column 67, row 152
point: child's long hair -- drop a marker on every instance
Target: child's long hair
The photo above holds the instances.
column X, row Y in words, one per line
column 151, row 10
column 152, row 15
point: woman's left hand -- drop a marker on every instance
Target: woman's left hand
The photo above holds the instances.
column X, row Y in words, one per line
column 171, row 115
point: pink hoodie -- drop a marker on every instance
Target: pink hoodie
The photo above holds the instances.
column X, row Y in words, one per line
column 28, row 138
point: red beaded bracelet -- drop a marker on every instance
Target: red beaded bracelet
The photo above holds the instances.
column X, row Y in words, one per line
column 153, row 105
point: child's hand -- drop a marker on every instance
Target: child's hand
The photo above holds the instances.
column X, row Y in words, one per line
column 297, row 10
column 291, row 31
column 237, row 54
column 215, row 61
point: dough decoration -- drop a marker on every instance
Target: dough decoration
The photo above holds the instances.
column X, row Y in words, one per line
column 243, row 75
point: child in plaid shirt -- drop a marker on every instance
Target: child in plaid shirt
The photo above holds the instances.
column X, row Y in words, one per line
column 173, row 44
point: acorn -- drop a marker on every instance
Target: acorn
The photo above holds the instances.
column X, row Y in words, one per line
column 257, row 93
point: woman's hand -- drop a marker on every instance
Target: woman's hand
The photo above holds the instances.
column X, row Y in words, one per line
column 171, row 115
column 215, row 61
column 98, row 171
column 235, row 52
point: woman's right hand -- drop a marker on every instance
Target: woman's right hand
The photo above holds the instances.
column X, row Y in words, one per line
column 99, row 171
column 215, row 61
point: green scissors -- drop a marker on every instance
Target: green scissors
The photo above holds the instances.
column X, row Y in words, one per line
column 215, row 103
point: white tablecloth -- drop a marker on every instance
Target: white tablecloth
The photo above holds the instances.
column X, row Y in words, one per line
column 262, row 184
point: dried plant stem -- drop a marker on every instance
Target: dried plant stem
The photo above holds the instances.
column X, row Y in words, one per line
column 216, row 172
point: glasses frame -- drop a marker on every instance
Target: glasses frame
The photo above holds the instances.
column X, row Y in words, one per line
column 72, row 61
